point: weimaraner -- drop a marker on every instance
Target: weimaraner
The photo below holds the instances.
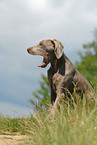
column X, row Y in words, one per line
column 62, row 75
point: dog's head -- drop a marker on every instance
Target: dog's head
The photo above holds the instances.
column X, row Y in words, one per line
column 50, row 49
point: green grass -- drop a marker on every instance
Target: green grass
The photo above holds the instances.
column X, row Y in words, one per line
column 70, row 125
column 11, row 126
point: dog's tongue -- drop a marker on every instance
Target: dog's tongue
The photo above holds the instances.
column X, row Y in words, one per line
column 42, row 65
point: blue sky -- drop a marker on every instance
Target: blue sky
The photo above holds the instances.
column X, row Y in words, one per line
column 23, row 24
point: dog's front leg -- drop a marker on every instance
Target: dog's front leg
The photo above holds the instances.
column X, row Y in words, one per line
column 56, row 103
column 58, row 99
column 62, row 89
column 53, row 96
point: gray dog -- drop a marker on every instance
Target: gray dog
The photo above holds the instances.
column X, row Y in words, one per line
column 62, row 75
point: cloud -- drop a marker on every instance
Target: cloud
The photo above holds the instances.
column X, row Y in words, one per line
column 34, row 21
column 55, row 3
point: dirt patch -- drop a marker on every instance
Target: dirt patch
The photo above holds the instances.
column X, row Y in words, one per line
column 13, row 140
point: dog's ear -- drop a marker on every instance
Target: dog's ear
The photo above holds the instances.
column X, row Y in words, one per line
column 58, row 48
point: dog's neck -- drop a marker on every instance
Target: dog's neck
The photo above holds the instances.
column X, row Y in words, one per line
column 58, row 65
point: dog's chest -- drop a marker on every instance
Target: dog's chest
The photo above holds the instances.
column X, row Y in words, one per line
column 57, row 79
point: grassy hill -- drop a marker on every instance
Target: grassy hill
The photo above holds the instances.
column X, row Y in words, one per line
column 71, row 124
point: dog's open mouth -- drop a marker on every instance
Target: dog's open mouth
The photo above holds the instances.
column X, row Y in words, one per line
column 44, row 63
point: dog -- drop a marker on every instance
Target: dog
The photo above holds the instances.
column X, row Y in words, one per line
column 62, row 75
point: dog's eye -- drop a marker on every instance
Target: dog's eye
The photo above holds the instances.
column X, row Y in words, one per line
column 53, row 43
column 40, row 44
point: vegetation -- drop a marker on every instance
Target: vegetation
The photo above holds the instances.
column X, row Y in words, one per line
column 42, row 94
column 70, row 124
column 88, row 64
column 8, row 125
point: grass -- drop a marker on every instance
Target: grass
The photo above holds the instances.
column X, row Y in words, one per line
column 11, row 126
column 71, row 124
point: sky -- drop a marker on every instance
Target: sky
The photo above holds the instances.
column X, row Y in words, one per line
column 24, row 24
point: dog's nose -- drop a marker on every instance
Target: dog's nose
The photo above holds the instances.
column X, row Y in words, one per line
column 28, row 50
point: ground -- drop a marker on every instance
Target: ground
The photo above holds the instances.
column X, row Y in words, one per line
column 13, row 139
